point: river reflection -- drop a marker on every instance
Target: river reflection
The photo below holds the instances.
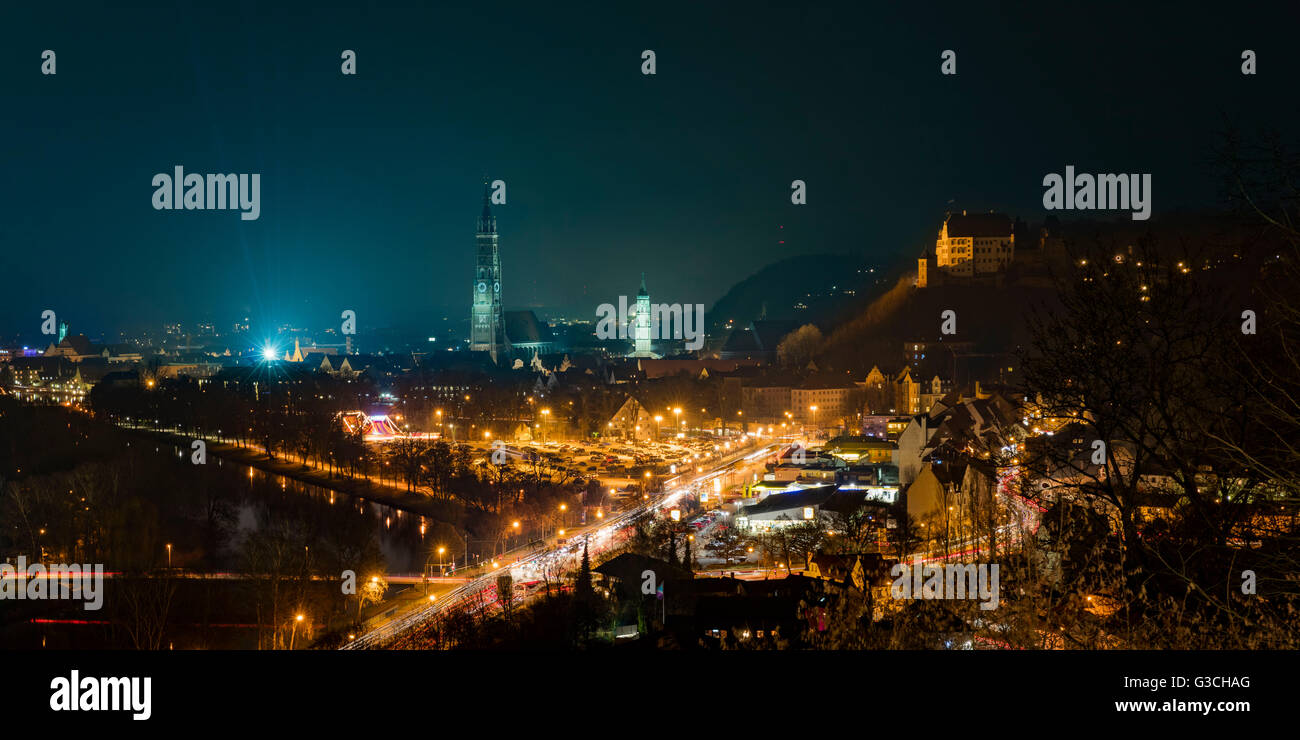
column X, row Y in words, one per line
column 400, row 533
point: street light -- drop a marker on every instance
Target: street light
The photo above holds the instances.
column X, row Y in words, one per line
column 169, row 555
column 294, row 633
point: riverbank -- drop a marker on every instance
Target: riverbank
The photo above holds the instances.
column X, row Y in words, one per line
column 369, row 489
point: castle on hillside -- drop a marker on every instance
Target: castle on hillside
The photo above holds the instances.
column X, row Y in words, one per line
column 984, row 245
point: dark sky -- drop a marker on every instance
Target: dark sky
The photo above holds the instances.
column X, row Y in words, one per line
column 371, row 184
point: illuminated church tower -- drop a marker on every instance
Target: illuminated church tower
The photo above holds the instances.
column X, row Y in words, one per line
column 641, row 323
column 487, row 325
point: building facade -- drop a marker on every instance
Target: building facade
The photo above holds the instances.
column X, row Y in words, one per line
column 969, row 245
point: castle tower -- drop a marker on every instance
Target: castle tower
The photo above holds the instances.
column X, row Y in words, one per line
column 487, row 321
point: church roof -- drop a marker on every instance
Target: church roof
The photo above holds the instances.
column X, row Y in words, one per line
column 78, row 343
column 314, row 359
column 523, row 327
column 768, row 333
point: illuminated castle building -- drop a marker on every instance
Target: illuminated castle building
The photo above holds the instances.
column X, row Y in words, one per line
column 968, row 246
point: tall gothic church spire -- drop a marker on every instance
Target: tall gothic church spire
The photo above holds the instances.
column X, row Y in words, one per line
column 487, row 319
column 487, row 223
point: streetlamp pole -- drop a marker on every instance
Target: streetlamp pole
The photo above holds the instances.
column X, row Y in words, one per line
column 294, row 632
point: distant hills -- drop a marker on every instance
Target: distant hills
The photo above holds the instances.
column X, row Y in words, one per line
column 868, row 312
column 811, row 289
column 991, row 321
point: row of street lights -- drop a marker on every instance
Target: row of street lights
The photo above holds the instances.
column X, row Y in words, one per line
column 546, row 413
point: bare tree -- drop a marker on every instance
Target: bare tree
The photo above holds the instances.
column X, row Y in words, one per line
column 798, row 347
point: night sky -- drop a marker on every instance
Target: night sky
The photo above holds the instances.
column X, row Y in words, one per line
column 371, row 184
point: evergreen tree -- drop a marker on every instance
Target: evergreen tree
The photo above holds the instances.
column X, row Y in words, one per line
column 584, row 591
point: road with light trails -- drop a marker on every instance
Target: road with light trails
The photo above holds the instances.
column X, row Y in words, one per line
column 598, row 536
column 562, row 557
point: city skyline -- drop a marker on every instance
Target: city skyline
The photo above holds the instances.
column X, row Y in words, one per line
column 820, row 336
